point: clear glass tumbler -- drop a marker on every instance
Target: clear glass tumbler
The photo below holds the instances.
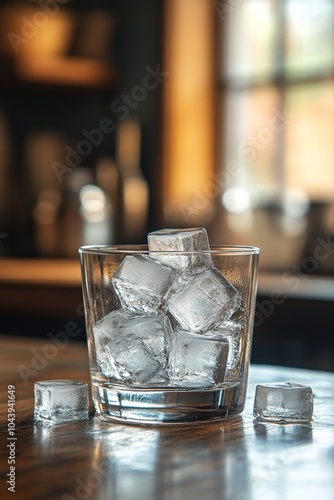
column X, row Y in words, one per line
column 166, row 344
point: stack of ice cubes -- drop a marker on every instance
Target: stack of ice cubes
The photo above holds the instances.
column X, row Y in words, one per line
column 173, row 325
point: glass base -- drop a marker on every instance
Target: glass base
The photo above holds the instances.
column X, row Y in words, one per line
column 167, row 406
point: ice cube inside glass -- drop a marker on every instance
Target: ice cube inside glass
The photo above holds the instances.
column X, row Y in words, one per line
column 197, row 361
column 157, row 350
column 137, row 349
column 201, row 302
column 283, row 402
column 141, row 284
column 187, row 250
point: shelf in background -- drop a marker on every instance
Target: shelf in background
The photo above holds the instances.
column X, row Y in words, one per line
column 296, row 286
column 38, row 296
column 46, row 272
column 66, row 272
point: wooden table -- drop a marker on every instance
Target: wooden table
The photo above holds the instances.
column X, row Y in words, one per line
column 239, row 459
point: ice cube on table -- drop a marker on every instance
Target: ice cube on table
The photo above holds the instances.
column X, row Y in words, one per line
column 61, row 400
column 283, row 402
column 202, row 300
column 182, row 240
column 132, row 348
column 197, row 361
column 141, row 283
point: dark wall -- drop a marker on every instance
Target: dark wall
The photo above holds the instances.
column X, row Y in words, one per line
column 298, row 332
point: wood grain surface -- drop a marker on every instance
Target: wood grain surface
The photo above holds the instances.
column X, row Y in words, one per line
column 238, row 459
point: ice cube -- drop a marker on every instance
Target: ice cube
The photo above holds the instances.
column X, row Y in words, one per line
column 141, row 283
column 202, row 301
column 182, row 240
column 232, row 331
column 197, row 361
column 103, row 332
column 61, row 400
column 285, row 402
column 132, row 348
column 234, row 304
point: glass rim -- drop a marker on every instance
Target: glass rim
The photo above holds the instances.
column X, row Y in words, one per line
column 143, row 249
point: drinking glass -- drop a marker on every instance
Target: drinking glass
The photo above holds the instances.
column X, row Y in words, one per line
column 168, row 346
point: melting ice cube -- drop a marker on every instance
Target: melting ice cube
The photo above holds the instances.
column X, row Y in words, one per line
column 182, row 240
column 61, row 400
column 283, row 402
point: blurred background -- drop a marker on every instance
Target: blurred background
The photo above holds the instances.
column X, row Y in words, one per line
column 122, row 117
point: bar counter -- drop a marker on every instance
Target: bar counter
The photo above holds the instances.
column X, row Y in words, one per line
column 238, row 459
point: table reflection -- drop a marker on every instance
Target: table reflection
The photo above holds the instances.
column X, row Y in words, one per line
column 147, row 460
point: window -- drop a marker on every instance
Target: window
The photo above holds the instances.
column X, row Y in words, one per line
column 277, row 89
